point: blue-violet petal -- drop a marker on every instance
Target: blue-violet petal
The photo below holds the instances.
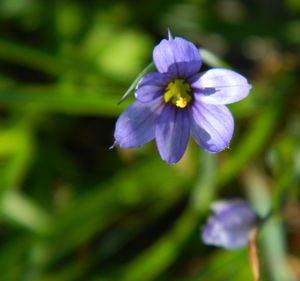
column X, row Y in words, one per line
column 230, row 225
column 136, row 125
column 178, row 57
column 220, row 86
column 211, row 125
column 151, row 86
column 172, row 133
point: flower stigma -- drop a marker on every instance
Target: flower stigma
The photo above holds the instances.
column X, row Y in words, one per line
column 178, row 92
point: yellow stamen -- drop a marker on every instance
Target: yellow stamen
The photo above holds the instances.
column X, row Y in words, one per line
column 178, row 92
column 181, row 102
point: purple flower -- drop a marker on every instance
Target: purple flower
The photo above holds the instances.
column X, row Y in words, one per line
column 177, row 100
column 230, row 225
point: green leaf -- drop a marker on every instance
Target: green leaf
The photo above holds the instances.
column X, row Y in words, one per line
column 150, row 67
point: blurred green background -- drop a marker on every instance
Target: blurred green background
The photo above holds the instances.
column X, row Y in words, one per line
column 71, row 209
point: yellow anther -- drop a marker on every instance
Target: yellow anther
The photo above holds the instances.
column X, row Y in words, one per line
column 181, row 102
column 178, row 92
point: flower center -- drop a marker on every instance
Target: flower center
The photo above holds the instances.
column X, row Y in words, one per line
column 178, row 92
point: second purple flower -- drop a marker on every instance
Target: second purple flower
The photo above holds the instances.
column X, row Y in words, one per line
column 177, row 100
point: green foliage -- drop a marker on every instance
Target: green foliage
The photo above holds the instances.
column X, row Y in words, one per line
column 71, row 209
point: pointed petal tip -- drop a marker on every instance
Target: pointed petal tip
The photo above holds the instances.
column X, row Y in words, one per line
column 170, row 34
column 136, row 125
column 113, row 145
column 177, row 57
